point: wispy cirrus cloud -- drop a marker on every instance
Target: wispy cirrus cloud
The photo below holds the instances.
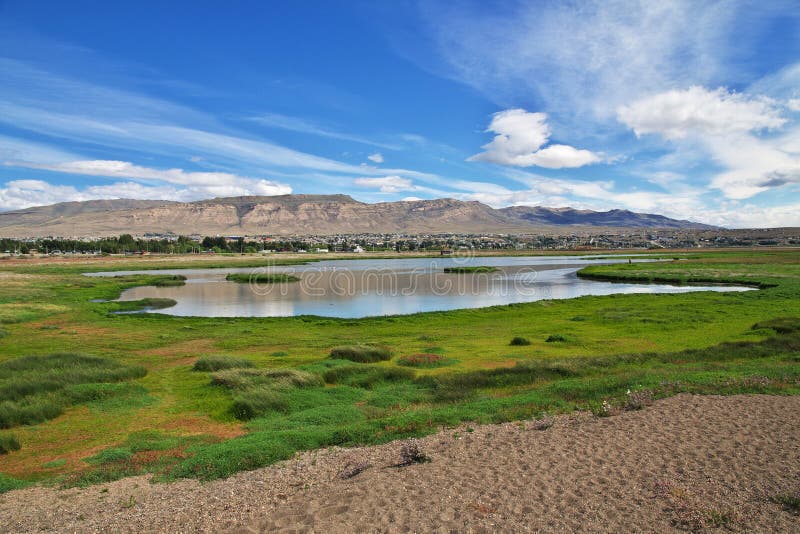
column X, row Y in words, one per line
column 301, row 125
column 106, row 117
column 207, row 180
column 583, row 58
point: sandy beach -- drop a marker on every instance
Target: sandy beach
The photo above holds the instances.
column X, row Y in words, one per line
column 686, row 463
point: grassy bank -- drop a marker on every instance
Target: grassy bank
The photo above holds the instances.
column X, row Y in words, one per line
column 218, row 395
column 261, row 278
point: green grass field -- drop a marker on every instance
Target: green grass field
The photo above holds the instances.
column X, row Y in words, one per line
column 207, row 397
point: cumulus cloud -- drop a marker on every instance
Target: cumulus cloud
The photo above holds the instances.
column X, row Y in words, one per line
column 377, row 157
column 519, row 141
column 561, row 156
column 387, row 184
column 679, row 113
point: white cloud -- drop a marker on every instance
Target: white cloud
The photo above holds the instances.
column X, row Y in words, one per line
column 519, row 141
column 18, row 194
column 563, row 156
column 89, row 113
column 169, row 184
column 754, row 165
column 726, row 126
column 582, row 58
column 377, row 157
column 699, row 111
column 387, row 184
column 21, row 150
column 297, row 124
column 793, row 104
column 212, row 181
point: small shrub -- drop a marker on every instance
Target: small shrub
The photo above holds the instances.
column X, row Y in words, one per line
column 361, row 353
column 606, row 409
column 790, row 501
column 8, row 443
column 353, row 469
column 218, row 363
column 545, row 422
column 636, row 400
column 519, row 341
column 555, row 338
column 411, row 453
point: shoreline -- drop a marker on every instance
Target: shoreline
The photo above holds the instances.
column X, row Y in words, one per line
column 687, row 462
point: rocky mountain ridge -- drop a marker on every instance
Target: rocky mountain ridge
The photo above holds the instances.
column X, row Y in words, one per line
column 309, row 214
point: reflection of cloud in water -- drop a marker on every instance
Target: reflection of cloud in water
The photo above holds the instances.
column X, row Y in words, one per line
column 374, row 287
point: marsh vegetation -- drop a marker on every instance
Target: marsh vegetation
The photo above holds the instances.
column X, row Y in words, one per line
column 207, row 397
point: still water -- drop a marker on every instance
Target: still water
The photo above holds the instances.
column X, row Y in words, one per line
column 363, row 288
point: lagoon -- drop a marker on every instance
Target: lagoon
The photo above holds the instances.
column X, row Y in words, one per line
column 377, row 287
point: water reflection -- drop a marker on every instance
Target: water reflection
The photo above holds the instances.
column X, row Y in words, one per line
column 362, row 288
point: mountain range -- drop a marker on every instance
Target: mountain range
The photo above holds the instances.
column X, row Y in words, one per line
column 311, row 215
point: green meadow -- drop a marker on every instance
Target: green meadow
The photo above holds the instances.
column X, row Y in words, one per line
column 88, row 395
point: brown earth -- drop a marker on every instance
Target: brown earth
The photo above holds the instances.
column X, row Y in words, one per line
column 685, row 463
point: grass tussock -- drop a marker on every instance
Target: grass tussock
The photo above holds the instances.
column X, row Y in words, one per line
column 781, row 325
column 425, row 360
column 275, row 378
column 37, row 388
column 8, row 483
column 460, row 385
column 261, row 278
column 8, row 443
column 468, row 270
column 361, row 353
column 150, row 303
column 258, row 392
column 175, row 280
column 519, row 342
column 366, row 376
column 209, row 364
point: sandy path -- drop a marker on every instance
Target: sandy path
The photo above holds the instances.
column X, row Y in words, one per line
column 684, row 463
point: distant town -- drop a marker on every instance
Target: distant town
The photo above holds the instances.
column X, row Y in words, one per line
column 358, row 243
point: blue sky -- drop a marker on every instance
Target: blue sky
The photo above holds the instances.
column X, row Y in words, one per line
column 689, row 109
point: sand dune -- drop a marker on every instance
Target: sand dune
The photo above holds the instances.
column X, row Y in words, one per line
column 685, row 463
